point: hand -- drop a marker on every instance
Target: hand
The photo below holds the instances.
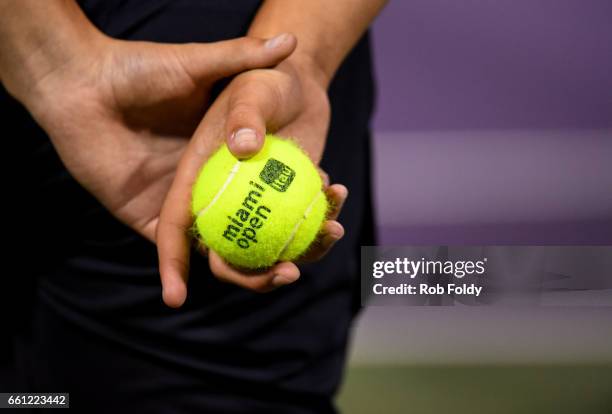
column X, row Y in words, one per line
column 121, row 115
column 287, row 100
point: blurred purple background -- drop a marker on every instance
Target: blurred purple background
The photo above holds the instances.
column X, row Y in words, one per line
column 474, row 64
column 494, row 122
column 494, row 126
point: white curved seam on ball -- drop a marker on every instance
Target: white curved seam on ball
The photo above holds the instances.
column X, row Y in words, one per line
column 227, row 182
column 299, row 223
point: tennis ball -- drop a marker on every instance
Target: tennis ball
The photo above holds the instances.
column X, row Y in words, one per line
column 256, row 212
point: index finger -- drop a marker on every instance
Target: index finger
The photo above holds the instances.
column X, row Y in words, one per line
column 176, row 220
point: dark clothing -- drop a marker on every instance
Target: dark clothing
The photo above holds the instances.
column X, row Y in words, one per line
column 97, row 326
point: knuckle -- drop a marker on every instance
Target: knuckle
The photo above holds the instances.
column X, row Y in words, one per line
column 179, row 264
column 241, row 111
column 246, row 45
column 241, row 107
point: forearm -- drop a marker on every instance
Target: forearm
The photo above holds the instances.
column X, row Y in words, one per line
column 326, row 30
column 36, row 38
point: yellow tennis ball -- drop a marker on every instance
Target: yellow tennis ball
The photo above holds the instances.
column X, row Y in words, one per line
column 256, row 212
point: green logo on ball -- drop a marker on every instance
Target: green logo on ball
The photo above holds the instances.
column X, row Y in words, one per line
column 277, row 175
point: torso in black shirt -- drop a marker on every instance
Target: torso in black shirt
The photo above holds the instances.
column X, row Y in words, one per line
column 97, row 319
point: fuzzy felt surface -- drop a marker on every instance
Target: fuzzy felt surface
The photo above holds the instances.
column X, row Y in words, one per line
column 256, row 212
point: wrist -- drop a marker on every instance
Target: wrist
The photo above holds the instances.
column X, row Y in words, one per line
column 308, row 69
column 38, row 41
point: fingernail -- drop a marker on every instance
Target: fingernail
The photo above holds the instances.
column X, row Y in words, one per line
column 337, row 233
column 244, row 137
column 277, row 41
column 337, row 236
column 282, row 280
column 343, row 191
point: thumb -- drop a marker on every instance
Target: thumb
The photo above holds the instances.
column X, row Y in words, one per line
column 249, row 112
column 218, row 60
column 258, row 103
